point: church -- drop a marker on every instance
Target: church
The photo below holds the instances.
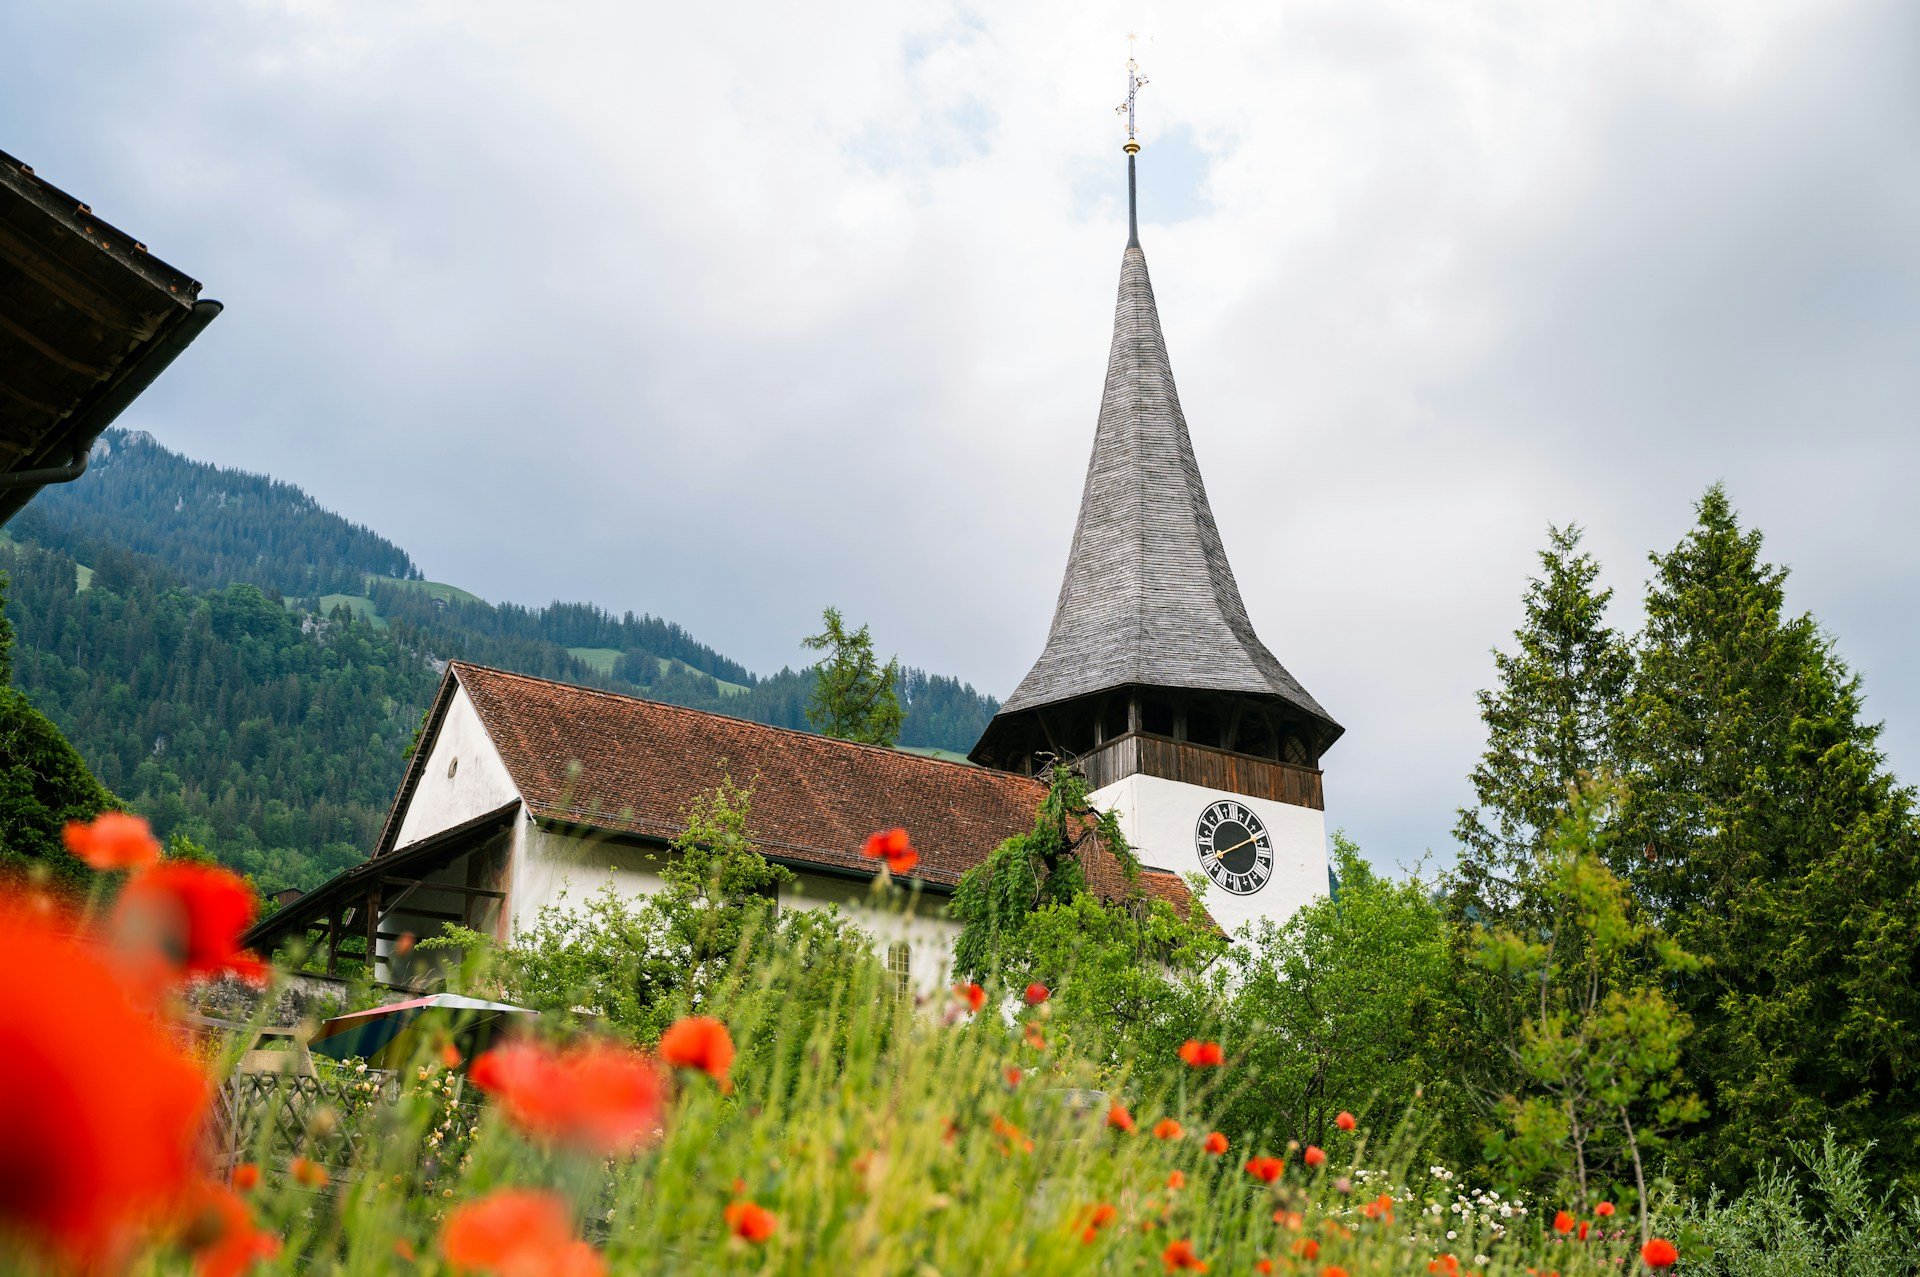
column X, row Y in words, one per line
column 523, row 792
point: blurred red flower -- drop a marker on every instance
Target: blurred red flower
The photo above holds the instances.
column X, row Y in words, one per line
column 1267, row 1169
column 1098, row 1216
column 972, row 994
column 1562, row 1222
column 1216, row 1144
column 1167, row 1129
column 1660, row 1253
column 699, row 1042
column 1201, row 1055
column 1177, row 1180
column 182, row 920
column 1119, row 1119
column 221, row 1234
column 1345, row 1121
column 1307, row 1248
column 895, row 848
column 1179, row 1256
column 597, row 1097
column 750, row 1222
column 114, row 840
column 1037, row 993
column 99, row 1111
column 517, row 1232
column 1035, row 1038
column 1013, row 1075
column 1604, row 1209
column 246, row 1177
column 1314, row 1156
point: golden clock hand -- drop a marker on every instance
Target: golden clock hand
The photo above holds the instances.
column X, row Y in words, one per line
column 1237, row 846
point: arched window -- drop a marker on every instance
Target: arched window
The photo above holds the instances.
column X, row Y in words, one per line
column 900, row 965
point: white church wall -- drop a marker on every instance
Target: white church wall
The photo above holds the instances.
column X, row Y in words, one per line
column 925, row 930
column 550, row 864
column 1159, row 817
column 463, row 776
column 555, row 867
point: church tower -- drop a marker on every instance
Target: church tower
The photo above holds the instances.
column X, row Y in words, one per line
column 1152, row 678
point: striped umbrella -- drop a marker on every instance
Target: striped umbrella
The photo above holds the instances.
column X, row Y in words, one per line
column 392, row 1036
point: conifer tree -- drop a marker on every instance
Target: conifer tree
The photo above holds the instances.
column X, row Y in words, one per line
column 1765, row 830
column 853, row 695
column 1549, row 722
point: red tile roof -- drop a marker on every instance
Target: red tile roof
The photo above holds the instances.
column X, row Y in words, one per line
column 595, row 759
column 621, row 764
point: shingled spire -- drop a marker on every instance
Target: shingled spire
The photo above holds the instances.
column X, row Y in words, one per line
column 1149, row 604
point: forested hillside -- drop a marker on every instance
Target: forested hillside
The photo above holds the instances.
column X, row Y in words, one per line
column 248, row 669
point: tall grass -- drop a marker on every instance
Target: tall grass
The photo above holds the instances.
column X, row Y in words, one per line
column 888, row 1137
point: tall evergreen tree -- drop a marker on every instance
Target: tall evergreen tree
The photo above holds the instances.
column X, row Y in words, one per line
column 854, row 698
column 1549, row 721
column 1764, row 828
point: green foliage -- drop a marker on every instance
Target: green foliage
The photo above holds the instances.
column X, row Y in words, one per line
column 854, row 697
column 43, row 785
column 1346, row 1007
column 995, row 900
column 1550, row 721
column 1829, row 1217
column 1768, row 835
column 1598, row 1043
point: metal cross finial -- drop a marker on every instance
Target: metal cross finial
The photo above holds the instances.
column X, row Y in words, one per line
column 1135, row 82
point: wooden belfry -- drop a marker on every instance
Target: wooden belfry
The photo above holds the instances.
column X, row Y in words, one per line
column 1151, row 664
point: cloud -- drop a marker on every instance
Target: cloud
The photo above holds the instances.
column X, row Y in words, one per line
column 726, row 315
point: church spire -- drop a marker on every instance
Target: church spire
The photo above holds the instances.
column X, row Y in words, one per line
column 1135, row 82
column 1148, row 611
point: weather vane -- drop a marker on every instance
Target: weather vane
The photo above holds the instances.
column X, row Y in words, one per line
column 1135, row 82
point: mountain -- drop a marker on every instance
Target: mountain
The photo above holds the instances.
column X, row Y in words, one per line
column 248, row 669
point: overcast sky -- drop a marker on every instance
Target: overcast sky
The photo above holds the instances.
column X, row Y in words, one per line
column 727, row 312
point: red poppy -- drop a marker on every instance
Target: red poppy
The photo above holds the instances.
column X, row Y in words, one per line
column 1562, row 1222
column 1314, row 1155
column 1307, row 1248
column 1179, row 1257
column 1263, row 1266
column 1167, row 1129
column 1013, row 1075
column 1660, row 1253
column 221, row 1233
column 1216, row 1144
column 1450, row 1264
column 1201, row 1055
column 1013, row 1136
column 450, row 1056
column 246, row 1177
column 1333, row 1270
column 517, row 1232
column 597, row 1097
column 1345, row 1121
column 307, row 1173
column 1037, row 993
column 1604, row 1209
column 186, row 920
column 699, row 1042
column 114, row 840
column 1119, row 1119
column 1098, row 1216
column 1380, row 1208
column 750, row 1222
column 1177, row 1180
column 1292, row 1220
column 100, row 1109
column 1035, row 1038
column 972, row 994
column 1583, row 1230
column 893, row 847
column 1266, row 1169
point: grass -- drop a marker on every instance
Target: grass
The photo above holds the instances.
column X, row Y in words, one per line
column 599, row 659
column 934, row 751
column 432, row 589
column 359, row 604
column 885, row 1138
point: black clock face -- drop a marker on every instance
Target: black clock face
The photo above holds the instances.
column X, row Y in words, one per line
column 1235, row 848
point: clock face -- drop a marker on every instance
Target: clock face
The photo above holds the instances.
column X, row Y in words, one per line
column 1235, row 848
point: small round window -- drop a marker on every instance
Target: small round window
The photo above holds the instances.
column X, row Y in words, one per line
column 453, row 765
